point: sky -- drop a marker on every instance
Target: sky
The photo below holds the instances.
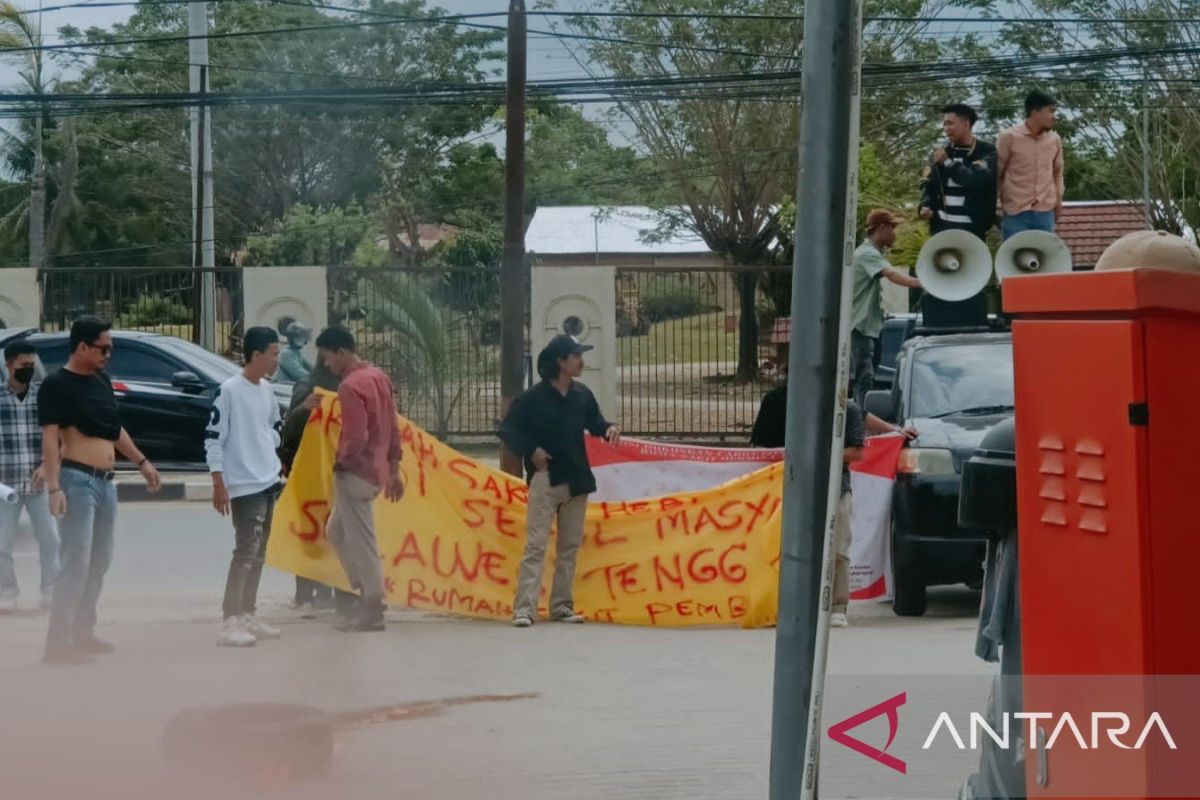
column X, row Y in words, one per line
column 548, row 58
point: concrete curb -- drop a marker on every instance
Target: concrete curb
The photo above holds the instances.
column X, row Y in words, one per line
column 175, row 489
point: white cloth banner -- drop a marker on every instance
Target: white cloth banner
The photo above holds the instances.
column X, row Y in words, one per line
column 638, row 469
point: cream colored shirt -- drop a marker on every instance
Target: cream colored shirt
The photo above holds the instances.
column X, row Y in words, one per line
column 1030, row 170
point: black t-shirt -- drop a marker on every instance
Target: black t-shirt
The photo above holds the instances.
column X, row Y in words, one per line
column 544, row 417
column 83, row 402
column 771, row 422
column 855, row 435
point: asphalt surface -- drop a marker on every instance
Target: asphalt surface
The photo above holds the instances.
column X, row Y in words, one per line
column 435, row 707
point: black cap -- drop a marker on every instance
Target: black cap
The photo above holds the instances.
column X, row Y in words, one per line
column 562, row 346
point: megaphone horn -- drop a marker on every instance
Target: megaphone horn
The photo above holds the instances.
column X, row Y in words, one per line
column 954, row 265
column 1032, row 253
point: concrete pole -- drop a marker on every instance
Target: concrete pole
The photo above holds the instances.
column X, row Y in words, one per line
column 202, row 194
column 512, row 278
column 826, row 210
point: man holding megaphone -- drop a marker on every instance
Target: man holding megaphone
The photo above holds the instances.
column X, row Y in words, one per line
column 959, row 190
column 866, row 310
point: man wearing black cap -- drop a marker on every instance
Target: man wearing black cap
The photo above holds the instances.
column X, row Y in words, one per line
column 545, row 425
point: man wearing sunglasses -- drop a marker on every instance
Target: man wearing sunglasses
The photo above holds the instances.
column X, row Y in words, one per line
column 81, row 436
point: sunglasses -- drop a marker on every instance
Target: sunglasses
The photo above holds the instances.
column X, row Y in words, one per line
column 105, row 349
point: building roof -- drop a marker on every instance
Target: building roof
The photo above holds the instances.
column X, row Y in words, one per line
column 1089, row 227
column 563, row 230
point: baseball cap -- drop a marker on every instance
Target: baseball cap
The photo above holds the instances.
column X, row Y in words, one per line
column 562, row 346
column 881, row 216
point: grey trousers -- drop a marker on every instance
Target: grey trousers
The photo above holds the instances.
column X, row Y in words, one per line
column 351, row 531
column 251, row 528
column 862, row 367
column 547, row 502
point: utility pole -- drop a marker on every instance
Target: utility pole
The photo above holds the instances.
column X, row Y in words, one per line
column 826, row 212
column 37, row 197
column 512, row 277
column 1146, row 150
column 204, row 332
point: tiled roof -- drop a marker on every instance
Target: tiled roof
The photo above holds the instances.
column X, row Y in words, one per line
column 1089, row 228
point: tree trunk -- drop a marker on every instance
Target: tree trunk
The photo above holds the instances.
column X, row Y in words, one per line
column 747, row 362
column 37, row 202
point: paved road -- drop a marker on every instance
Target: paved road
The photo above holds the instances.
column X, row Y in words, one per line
column 556, row 711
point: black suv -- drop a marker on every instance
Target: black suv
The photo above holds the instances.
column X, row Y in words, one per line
column 164, row 385
column 953, row 388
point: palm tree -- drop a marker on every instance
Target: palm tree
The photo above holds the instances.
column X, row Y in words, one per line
column 19, row 31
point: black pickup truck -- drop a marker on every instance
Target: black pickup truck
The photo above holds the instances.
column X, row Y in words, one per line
column 953, row 388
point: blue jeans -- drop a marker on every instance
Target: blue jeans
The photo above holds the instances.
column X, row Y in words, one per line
column 44, row 531
column 1012, row 224
column 87, row 549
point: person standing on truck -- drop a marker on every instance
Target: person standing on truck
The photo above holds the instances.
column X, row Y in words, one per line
column 870, row 266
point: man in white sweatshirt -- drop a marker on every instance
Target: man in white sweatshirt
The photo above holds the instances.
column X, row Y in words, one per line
column 241, row 442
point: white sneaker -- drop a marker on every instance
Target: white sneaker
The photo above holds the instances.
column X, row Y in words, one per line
column 522, row 622
column 234, row 634
column 839, row 621
column 572, row 618
column 259, row 629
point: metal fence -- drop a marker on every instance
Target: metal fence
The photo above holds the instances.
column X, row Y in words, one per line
column 436, row 331
column 681, row 373
column 158, row 300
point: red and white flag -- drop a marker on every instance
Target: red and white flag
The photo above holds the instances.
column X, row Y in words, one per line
column 638, row 469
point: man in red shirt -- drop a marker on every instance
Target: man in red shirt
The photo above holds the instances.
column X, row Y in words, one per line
column 367, row 463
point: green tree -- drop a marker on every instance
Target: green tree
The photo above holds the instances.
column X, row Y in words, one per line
column 267, row 158
column 21, row 32
column 728, row 156
column 306, row 236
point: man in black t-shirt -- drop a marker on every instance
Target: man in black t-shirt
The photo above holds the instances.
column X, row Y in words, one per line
column 545, row 426
column 81, row 436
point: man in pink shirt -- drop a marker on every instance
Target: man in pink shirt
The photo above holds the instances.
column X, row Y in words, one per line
column 1030, row 169
column 367, row 463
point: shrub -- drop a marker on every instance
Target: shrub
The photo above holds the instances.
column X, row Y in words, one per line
column 151, row 310
column 675, row 304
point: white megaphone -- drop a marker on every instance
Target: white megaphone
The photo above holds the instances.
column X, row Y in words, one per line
column 1032, row 253
column 8, row 495
column 954, row 265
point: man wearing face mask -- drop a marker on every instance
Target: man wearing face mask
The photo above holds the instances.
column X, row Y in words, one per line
column 21, row 470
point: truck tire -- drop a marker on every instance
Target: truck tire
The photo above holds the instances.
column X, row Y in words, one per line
column 908, row 579
column 267, row 744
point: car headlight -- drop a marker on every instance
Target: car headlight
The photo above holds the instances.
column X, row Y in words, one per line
column 925, row 461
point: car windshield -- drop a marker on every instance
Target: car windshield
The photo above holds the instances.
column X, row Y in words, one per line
column 217, row 368
column 970, row 378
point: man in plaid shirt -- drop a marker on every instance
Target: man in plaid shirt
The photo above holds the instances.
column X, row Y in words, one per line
column 20, row 469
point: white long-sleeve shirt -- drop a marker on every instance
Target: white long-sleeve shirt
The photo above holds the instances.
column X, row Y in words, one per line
column 243, row 436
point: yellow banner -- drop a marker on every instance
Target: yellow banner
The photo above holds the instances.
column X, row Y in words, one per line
column 454, row 543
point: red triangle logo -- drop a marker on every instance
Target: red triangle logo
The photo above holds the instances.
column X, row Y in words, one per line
column 840, row 732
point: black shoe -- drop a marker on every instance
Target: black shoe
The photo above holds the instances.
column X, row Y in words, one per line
column 369, row 618
column 93, row 646
column 66, row 655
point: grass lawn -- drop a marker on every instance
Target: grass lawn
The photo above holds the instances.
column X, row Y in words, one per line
column 680, row 341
